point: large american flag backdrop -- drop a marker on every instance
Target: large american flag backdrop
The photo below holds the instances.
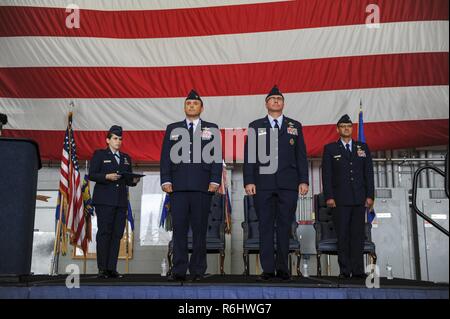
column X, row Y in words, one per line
column 132, row 63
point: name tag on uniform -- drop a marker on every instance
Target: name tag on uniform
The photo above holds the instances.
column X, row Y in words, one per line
column 262, row 131
column 174, row 137
column 107, row 161
column 292, row 131
column 337, row 156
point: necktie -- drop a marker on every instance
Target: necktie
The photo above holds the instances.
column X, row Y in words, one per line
column 276, row 124
column 191, row 136
column 347, row 146
column 191, row 130
column 117, row 156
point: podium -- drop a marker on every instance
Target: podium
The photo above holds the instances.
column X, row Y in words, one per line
column 19, row 165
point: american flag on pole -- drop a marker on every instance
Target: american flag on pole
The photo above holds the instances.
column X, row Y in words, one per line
column 132, row 62
column 362, row 138
column 70, row 188
column 223, row 189
column 88, row 213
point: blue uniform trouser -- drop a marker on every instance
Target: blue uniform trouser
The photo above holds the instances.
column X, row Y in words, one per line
column 349, row 222
column 275, row 208
column 111, row 225
column 189, row 210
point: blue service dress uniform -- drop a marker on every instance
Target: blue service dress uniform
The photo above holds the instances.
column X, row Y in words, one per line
column 347, row 177
column 190, row 201
column 277, row 194
column 110, row 199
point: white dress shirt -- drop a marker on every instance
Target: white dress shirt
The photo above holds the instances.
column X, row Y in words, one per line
column 272, row 121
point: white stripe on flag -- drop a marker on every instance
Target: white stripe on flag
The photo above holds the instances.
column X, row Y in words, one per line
column 312, row 108
column 355, row 40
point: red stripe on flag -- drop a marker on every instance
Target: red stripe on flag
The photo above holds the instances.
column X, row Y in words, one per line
column 40, row 21
column 377, row 71
column 146, row 145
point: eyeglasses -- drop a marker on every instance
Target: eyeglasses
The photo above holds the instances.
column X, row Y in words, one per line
column 276, row 98
column 193, row 102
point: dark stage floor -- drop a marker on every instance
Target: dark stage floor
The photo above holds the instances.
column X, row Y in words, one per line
column 216, row 286
column 157, row 280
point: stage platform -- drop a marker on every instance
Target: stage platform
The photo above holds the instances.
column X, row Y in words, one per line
column 146, row 286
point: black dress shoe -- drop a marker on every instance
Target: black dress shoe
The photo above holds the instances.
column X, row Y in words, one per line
column 283, row 275
column 176, row 277
column 115, row 274
column 103, row 274
column 266, row 276
column 359, row 276
column 344, row 276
